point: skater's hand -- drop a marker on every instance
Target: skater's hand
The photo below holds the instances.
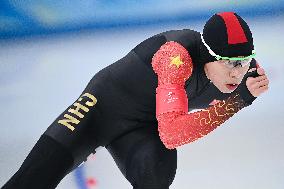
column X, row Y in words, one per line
column 257, row 85
column 172, row 64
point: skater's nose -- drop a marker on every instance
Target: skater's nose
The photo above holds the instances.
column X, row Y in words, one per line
column 236, row 72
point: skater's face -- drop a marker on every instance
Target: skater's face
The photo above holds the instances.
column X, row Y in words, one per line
column 226, row 79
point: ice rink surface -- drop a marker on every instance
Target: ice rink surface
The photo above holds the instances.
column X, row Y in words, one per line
column 40, row 77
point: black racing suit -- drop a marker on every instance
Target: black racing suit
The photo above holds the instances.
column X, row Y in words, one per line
column 117, row 110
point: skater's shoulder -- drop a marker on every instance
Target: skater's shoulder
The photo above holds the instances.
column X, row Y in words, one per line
column 179, row 33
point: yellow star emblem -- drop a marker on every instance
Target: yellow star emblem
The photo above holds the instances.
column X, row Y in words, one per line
column 176, row 61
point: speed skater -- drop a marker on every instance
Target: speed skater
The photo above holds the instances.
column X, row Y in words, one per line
column 139, row 107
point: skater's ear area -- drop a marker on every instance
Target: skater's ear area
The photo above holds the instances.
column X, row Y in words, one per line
column 146, row 49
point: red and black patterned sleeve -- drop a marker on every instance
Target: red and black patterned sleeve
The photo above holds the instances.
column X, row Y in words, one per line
column 178, row 128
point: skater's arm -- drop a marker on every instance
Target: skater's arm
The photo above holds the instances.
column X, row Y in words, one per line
column 178, row 128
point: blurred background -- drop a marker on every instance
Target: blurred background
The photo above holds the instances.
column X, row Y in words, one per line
column 50, row 49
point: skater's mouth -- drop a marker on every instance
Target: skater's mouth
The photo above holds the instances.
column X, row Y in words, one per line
column 232, row 86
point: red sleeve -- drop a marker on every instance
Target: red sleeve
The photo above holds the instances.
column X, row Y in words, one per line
column 178, row 128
